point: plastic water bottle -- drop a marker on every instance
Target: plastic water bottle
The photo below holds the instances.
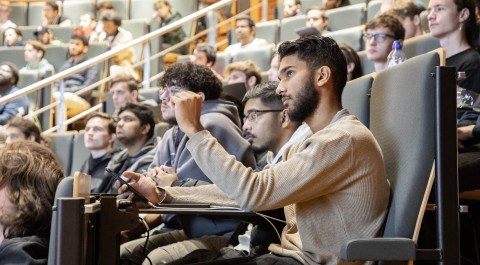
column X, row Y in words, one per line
column 396, row 56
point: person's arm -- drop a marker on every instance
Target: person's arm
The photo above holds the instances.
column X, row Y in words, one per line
column 91, row 76
column 11, row 110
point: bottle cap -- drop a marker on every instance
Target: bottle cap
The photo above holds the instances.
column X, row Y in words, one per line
column 396, row 45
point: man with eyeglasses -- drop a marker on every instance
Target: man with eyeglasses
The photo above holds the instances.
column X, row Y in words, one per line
column 332, row 185
column 380, row 33
column 245, row 31
column 173, row 165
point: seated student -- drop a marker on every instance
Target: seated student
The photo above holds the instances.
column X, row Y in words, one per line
column 243, row 72
column 29, row 176
column 45, row 36
column 98, row 139
column 124, row 89
column 330, row 4
column 87, row 25
column 469, row 151
column 5, row 10
column 135, row 127
column 51, row 16
column 334, row 180
column 409, row 15
column 292, row 8
column 380, row 33
column 273, row 70
column 454, row 24
column 205, row 54
column 12, row 37
column 354, row 66
column 8, row 82
column 20, row 129
column 114, row 36
column 163, row 12
column 34, row 52
column 245, row 31
column 221, row 118
column 318, row 18
column 77, row 49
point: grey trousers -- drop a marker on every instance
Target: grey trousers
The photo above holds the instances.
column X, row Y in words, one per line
column 168, row 247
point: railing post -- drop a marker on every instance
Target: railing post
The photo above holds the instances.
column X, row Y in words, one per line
column 61, row 110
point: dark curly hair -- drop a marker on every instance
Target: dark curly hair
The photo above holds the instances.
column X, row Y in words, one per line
column 193, row 77
column 316, row 52
column 31, row 173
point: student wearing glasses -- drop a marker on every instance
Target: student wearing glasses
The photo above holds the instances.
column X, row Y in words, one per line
column 380, row 33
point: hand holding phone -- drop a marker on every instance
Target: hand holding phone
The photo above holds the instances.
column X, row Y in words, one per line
column 122, row 181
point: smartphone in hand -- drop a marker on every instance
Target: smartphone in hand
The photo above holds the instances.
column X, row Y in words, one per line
column 119, row 178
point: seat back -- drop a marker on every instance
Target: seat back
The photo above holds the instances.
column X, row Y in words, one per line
column 289, row 25
column 223, row 59
column 373, row 8
column 63, row 34
column 350, row 36
column 34, row 12
column 346, row 17
column 402, row 119
column 261, row 56
column 356, row 98
column 27, row 32
column 367, row 65
column 420, row 45
column 56, row 55
column 62, row 145
column 19, row 14
column 74, row 9
column 26, row 78
column 13, row 55
column 64, row 189
column 139, row 9
column 138, row 28
column 95, row 49
column 79, row 153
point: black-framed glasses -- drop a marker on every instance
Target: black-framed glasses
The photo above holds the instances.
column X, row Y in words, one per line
column 253, row 114
column 378, row 37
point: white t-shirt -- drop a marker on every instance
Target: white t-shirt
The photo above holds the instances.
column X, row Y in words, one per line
column 234, row 48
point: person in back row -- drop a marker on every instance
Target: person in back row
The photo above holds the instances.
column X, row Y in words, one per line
column 8, row 82
column 5, row 10
column 292, row 8
column 245, row 31
column 380, row 33
column 12, row 37
column 34, row 53
column 77, row 49
column 454, row 23
column 205, row 54
column 163, row 12
column 243, row 72
column 408, row 14
column 332, row 185
column 318, row 18
column 221, row 118
column 51, row 16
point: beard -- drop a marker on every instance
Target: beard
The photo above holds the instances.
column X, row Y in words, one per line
column 305, row 103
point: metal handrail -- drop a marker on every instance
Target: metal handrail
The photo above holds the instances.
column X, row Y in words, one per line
column 109, row 54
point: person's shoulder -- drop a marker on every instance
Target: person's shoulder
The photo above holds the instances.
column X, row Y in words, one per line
column 33, row 249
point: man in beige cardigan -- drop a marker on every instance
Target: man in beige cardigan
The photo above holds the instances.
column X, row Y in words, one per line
column 332, row 185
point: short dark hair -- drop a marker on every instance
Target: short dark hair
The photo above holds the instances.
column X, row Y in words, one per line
column 105, row 5
column 471, row 32
column 267, row 94
column 82, row 38
column 326, row 53
column 110, row 15
column 144, row 114
column 14, row 70
column 390, row 22
column 31, row 173
column 352, row 57
column 28, row 128
column 53, row 5
column 251, row 23
column 209, row 50
column 132, row 82
column 193, row 77
column 111, row 122
column 16, row 29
